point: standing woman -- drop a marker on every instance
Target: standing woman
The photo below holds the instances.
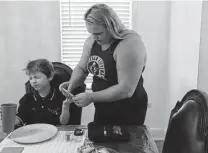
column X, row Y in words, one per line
column 116, row 57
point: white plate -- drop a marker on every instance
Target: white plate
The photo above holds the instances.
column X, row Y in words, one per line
column 34, row 133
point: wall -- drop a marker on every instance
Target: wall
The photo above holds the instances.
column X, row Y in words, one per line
column 152, row 23
column 28, row 30
column 185, row 28
column 203, row 62
column 171, row 32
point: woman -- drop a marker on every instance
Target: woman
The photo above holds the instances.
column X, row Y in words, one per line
column 116, row 57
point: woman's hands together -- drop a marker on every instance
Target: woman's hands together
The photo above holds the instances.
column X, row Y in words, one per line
column 65, row 89
column 82, row 99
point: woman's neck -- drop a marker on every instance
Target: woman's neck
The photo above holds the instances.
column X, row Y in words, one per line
column 106, row 46
column 44, row 91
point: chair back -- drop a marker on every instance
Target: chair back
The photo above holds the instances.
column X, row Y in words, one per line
column 188, row 125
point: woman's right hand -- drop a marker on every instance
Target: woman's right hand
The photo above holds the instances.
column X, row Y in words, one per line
column 64, row 85
column 65, row 89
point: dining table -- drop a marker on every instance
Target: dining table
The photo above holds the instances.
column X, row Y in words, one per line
column 141, row 141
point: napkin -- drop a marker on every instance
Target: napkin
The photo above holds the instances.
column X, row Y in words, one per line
column 12, row 150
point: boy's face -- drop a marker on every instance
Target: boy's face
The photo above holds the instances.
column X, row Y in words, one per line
column 39, row 80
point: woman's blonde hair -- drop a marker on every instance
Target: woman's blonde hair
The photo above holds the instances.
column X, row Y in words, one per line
column 103, row 14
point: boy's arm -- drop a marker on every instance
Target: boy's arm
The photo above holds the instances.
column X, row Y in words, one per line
column 65, row 113
column 22, row 114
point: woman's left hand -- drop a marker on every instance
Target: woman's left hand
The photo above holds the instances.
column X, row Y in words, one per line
column 82, row 99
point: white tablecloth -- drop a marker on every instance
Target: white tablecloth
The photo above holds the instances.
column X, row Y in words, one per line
column 57, row 144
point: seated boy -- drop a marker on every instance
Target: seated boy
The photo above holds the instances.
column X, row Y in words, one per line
column 46, row 104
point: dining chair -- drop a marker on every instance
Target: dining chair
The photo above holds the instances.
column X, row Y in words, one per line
column 188, row 125
column 62, row 74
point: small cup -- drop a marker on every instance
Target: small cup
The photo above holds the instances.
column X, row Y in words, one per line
column 8, row 115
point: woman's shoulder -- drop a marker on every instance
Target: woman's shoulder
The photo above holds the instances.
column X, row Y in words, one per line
column 131, row 37
column 89, row 42
column 132, row 41
column 88, row 45
column 131, row 44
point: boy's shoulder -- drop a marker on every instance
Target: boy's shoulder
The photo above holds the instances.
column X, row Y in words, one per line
column 58, row 93
column 27, row 97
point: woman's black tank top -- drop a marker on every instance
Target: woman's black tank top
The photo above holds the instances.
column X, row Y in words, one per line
column 102, row 66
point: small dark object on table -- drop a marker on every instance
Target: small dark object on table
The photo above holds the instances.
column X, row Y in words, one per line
column 78, row 132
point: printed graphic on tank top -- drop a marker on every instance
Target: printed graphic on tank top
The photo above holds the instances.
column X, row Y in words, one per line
column 102, row 66
column 96, row 66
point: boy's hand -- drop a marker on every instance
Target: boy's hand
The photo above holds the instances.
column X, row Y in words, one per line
column 67, row 102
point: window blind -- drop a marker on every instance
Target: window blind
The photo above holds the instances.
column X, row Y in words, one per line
column 74, row 32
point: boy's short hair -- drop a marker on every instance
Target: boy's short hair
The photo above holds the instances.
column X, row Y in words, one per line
column 40, row 65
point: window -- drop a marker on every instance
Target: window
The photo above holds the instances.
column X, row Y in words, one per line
column 74, row 32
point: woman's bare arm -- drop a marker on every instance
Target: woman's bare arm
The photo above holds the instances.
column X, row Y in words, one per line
column 80, row 72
